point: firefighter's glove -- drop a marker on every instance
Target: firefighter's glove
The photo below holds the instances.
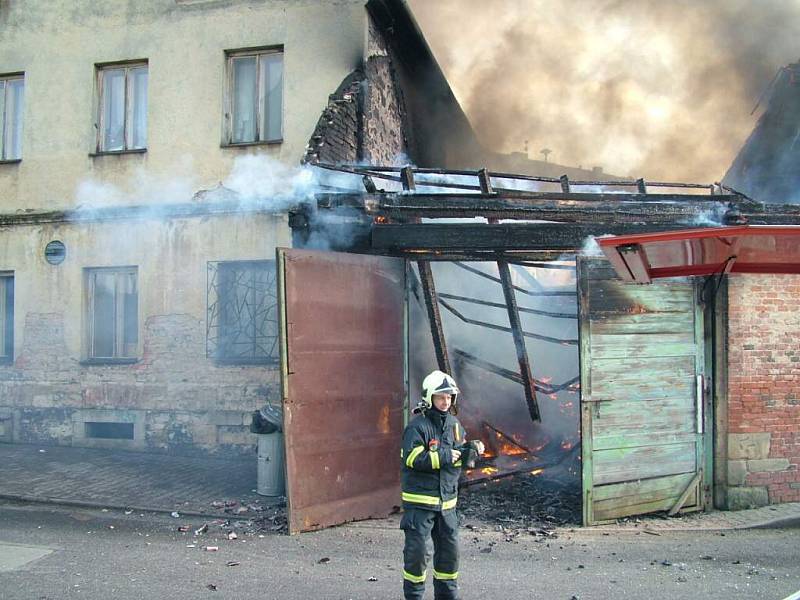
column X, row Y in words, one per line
column 479, row 447
column 455, row 455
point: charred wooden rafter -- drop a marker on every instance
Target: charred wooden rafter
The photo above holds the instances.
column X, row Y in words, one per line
column 542, row 293
column 522, row 309
column 487, row 325
column 434, row 317
column 400, row 238
column 519, row 341
column 541, row 386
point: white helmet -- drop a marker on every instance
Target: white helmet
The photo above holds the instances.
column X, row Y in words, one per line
column 438, row 382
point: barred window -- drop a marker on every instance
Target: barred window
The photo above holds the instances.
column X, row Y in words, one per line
column 113, row 313
column 242, row 319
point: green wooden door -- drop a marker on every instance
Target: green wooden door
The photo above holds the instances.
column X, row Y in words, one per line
column 641, row 379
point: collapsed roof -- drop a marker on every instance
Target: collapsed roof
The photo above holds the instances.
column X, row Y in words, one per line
column 766, row 167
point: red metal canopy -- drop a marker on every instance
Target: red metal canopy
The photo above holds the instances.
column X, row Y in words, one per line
column 741, row 249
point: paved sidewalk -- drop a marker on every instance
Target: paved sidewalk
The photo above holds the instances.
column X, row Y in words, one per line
column 118, row 479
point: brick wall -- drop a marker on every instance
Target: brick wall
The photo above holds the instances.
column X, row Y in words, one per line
column 763, row 390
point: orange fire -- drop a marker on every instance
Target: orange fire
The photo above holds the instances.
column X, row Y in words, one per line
column 489, row 470
column 537, row 471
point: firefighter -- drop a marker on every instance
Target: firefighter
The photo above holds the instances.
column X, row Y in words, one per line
column 431, row 455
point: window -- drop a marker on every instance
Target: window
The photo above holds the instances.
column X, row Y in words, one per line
column 6, row 317
column 113, row 313
column 242, row 324
column 254, row 104
column 122, row 107
column 12, row 92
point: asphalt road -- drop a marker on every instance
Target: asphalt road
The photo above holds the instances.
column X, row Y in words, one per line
column 50, row 553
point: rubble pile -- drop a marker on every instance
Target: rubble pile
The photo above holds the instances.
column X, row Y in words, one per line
column 524, row 501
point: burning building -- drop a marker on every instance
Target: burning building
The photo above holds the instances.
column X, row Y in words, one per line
column 137, row 314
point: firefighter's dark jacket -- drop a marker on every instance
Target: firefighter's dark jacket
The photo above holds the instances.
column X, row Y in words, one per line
column 429, row 479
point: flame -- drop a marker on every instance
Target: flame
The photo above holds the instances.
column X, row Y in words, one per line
column 537, row 471
column 510, row 449
column 489, row 470
column 381, row 219
column 566, row 445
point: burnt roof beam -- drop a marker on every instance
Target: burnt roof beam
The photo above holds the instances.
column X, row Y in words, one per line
column 501, row 237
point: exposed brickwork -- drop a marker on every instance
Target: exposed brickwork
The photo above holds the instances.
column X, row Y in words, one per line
column 366, row 118
column 187, row 402
column 337, row 136
column 385, row 115
column 764, row 379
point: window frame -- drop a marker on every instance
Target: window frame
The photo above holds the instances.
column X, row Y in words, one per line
column 4, row 129
column 119, row 324
column 7, row 316
column 99, row 123
column 215, row 325
column 230, row 95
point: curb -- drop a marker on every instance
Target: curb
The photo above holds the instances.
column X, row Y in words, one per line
column 122, row 507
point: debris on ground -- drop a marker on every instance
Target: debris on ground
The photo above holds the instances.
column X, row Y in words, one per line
column 201, row 530
column 175, row 515
column 324, row 560
column 524, row 503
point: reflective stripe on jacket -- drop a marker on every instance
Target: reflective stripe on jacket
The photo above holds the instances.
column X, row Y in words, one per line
column 429, row 479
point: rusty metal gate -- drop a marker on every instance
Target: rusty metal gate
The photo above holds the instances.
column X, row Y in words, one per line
column 342, row 355
column 642, row 396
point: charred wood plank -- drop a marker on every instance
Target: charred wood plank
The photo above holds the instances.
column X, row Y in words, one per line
column 475, row 256
column 519, row 289
column 544, row 265
column 532, row 311
column 389, row 199
column 434, row 317
column 500, row 236
column 537, row 336
column 519, row 341
column 541, row 386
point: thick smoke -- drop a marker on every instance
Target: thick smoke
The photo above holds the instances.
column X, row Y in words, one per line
column 657, row 89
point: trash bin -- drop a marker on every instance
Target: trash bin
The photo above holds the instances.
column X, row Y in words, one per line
column 271, row 479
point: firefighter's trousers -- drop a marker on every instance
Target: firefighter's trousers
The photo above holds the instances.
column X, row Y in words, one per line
column 419, row 525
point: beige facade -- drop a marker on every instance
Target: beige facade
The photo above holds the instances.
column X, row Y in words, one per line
column 156, row 332
column 58, row 45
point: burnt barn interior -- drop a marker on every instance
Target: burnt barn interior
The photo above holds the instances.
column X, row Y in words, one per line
column 571, row 373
